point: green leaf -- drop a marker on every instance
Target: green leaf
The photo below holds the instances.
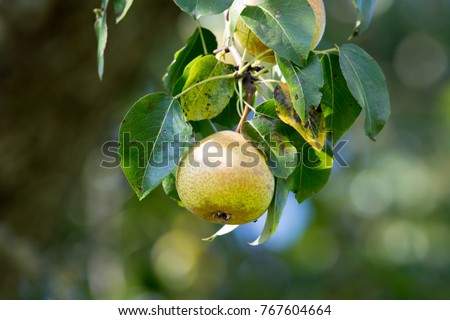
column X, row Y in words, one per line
column 367, row 84
column 313, row 171
column 285, row 26
column 192, row 49
column 179, row 84
column 229, row 117
column 304, row 83
column 101, row 31
column 153, row 137
column 281, row 154
column 170, row 187
column 275, row 211
column 365, row 10
column 338, row 104
column 202, row 129
column 121, row 8
column 312, row 130
column 198, row 8
column 267, row 109
column 208, row 99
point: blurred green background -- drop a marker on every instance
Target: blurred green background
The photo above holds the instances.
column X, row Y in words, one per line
column 70, row 229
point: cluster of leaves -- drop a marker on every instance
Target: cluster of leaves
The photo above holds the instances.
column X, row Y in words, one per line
column 317, row 97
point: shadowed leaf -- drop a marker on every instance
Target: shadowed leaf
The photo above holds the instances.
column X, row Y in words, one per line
column 275, row 211
column 367, row 84
column 267, row 109
column 313, row 170
column 338, row 104
column 121, row 8
column 192, row 49
column 153, row 136
column 170, row 188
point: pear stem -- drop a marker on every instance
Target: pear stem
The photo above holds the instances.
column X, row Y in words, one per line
column 199, row 26
column 250, row 94
column 332, row 50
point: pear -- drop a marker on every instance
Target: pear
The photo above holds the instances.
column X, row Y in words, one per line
column 224, row 179
column 243, row 35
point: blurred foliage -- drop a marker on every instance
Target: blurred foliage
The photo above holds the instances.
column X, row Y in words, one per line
column 70, row 229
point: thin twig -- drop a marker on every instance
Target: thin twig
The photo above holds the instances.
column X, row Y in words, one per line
column 250, row 94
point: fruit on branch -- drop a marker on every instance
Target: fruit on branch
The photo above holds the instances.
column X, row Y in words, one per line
column 224, row 179
column 245, row 38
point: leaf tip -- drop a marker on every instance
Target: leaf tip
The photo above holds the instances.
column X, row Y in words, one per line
column 255, row 243
column 209, row 239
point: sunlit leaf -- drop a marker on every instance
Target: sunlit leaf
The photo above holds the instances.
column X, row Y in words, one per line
column 222, row 231
column 281, row 154
column 101, row 31
column 198, row 8
column 192, row 49
column 207, row 100
column 365, row 10
column 286, row 26
column 153, row 136
column 338, row 104
column 275, row 211
column 121, row 8
column 367, row 83
column 312, row 130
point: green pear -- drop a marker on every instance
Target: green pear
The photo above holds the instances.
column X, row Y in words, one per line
column 224, row 179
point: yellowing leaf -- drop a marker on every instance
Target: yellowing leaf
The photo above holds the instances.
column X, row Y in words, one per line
column 312, row 130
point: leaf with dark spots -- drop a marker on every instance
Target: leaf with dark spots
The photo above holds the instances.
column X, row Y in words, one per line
column 312, row 130
column 303, row 93
column 215, row 92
